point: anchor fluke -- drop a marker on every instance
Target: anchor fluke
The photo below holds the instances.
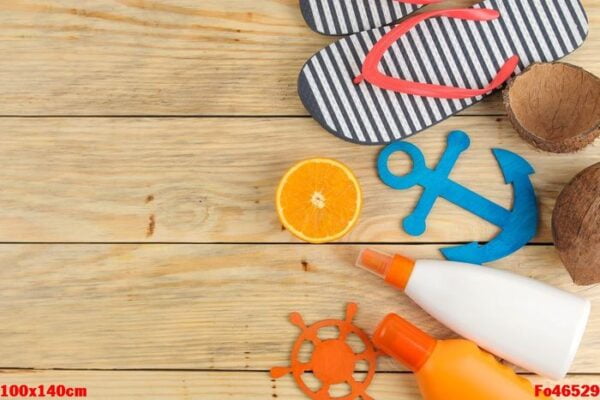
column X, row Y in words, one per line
column 518, row 227
column 513, row 166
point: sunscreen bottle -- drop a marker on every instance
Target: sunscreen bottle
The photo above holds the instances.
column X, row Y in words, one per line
column 450, row 369
column 531, row 324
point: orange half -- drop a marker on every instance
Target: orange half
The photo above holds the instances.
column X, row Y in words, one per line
column 319, row 200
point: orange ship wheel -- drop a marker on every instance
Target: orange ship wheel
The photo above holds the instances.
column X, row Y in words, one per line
column 333, row 361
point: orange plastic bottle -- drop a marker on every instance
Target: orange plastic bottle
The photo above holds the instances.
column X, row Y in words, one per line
column 450, row 369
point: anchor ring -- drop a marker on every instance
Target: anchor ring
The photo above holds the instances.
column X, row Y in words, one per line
column 408, row 180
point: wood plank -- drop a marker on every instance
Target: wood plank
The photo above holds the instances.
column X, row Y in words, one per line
column 208, row 306
column 177, row 57
column 179, row 385
column 213, row 180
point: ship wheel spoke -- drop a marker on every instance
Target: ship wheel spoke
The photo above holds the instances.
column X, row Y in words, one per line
column 278, row 372
column 358, row 386
column 315, row 340
column 344, row 334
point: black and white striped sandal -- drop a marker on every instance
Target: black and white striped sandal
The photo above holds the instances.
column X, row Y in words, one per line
column 343, row 17
column 387, row 84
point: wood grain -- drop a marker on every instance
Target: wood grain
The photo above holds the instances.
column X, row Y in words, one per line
column 180, row 385
column 177, row 57
column 213, row 180
column 208, row 306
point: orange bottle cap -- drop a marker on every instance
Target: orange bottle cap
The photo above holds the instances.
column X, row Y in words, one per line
column 404, row 341
column 396, row 270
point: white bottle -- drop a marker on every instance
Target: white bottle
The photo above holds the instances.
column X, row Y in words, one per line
column 531, row 324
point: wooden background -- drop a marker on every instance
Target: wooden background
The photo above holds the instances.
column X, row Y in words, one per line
column 141, row 142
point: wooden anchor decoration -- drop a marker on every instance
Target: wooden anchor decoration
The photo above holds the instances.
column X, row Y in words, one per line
column 518, row 226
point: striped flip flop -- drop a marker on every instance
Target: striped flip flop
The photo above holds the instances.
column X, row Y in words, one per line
column 343, row 17
column 387, row 84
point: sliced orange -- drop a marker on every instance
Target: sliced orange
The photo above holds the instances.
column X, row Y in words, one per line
column 319, row 200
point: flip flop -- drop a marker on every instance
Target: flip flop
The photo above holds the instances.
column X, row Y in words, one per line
column 387, row 84
column 343, row 17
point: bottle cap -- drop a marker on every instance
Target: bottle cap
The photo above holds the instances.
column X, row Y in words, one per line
column 404, row 341
column 396, row 270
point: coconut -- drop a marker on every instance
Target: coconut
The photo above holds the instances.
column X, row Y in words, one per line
column 555, row 106
column 576, row 226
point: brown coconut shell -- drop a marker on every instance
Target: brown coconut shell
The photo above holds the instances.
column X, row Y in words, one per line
column 576, row 226
column 555, row 106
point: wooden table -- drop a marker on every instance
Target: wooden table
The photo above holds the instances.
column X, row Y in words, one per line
column 141, row 143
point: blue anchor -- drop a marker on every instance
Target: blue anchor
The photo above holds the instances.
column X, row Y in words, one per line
column 518, row 226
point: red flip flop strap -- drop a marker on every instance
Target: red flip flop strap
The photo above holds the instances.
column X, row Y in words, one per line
column 371, row 74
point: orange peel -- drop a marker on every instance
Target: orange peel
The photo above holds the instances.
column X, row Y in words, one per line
column 319, row 200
